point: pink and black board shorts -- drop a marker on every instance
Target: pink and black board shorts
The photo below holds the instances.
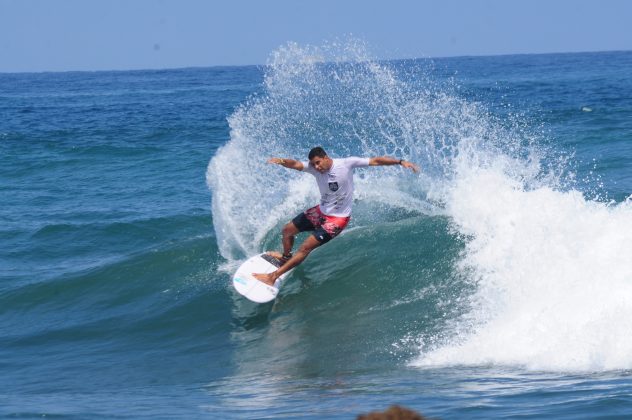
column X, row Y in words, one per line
column 325, row 227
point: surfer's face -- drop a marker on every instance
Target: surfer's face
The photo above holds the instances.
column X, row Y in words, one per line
column 321, row 164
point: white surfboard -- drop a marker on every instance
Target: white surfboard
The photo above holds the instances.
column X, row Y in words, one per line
column 252, row 288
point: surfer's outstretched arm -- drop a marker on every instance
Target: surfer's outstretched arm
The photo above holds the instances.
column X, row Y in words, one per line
column 288, row 163
column 385, row 160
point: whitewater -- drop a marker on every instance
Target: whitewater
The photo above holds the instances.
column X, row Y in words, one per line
column 550, row 269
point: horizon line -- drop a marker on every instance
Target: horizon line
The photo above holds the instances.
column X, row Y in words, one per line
column 264, row 65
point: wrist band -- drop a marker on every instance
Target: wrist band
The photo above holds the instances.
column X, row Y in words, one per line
column 400, row 161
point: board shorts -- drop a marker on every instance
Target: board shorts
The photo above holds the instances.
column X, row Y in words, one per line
column 325, row 227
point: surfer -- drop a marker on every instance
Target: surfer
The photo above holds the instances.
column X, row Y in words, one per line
column 326, row 220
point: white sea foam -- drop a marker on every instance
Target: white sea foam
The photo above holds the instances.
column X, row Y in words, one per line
column 552, row 270
column 333, row 96
column 553, row 273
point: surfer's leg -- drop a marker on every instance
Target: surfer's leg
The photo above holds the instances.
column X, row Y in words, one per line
column 301, row 223
column 289, row 232
column 306, row 247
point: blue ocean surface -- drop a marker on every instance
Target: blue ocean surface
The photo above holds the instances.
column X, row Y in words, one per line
column 497, row 283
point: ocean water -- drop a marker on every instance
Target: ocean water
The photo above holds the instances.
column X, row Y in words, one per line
column 497, row 283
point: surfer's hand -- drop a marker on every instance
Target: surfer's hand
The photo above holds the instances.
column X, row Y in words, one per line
column 287, row 163
column 410, row 165
column 276, row 161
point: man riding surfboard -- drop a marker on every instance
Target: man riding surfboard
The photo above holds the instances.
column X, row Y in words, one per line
column 327, row 219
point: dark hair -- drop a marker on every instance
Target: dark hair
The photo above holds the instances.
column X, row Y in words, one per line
column 316, row 152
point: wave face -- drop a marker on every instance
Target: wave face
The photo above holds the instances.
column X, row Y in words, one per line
column 542, row 272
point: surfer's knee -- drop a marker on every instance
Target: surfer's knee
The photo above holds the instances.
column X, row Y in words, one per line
column 289, row 229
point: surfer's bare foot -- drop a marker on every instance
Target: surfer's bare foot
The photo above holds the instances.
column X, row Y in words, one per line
column 283, row 258
column 268, row 279
column 275, row 254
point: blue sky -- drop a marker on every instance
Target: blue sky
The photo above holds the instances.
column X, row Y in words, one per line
column 60, row 35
